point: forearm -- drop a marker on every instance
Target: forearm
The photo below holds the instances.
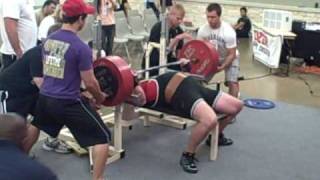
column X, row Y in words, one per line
column 114, row 4
column 228, row 60
column 12, row 33
column 94, row 89
column 38, row 81
column 137, row 98
column 173, row 43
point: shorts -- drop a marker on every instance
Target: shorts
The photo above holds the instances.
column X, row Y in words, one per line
column 82, row 120
column 188, row 94
column 23, row 104
column 233, row 71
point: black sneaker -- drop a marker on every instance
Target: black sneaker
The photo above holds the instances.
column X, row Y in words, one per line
column 187, row 163
column 222, row 141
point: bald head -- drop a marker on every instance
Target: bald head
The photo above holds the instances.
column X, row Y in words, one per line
column 12, row 127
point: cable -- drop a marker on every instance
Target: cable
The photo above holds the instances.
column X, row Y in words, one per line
column 244, row 79
column 254, row 78
column 308, row 85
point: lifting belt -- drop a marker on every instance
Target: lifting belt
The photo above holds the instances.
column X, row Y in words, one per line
column 172, row 86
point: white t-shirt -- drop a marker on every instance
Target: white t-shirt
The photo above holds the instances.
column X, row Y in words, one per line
column 23, row 11
column 44, row 26
column 222, row 38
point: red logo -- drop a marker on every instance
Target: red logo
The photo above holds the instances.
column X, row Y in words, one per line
column 261, row 37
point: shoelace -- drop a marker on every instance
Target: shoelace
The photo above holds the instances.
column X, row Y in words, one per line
column 191, row 159
column 63, row 145
column 58, row 143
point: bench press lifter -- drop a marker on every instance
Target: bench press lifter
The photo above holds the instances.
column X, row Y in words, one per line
column 186, row 95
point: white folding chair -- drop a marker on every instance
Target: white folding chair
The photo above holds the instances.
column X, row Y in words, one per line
column 3, row 98
column 86, row 34
column 119, row 14
column 149, row 19
column 137, row 26
column 133, row 12
column 123, row 34
column 0, row 40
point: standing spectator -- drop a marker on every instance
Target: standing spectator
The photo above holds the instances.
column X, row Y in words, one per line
column 15, row 164
column 243, row 26
column 106, row 14
column 21, row 82
column 47, row 22
column 47, row 9
column 152, row 4
column 18, row 29
column 223, row 38
column 176, row 37
column 66, row 62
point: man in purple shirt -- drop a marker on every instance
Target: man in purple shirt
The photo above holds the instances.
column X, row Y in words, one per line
column 66, row 62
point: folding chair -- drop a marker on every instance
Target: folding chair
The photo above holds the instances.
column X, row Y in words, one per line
column 137, row 26
column 123, row 35
column 119, row 14
column 86, row 34
column 133, row 12
column 3, row 98
column 149, row 19
column 0, row 40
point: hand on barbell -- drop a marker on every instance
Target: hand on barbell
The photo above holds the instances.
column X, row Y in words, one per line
column 138, row 97
column 184, row 61
column 185, row 36
column 101, row 99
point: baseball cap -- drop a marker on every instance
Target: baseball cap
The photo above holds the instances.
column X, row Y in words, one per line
column 72, row 8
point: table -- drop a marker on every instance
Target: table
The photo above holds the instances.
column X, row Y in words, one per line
column 268, row 45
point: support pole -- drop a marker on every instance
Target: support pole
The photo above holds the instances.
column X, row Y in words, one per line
column 97, row 27
column 163, row 37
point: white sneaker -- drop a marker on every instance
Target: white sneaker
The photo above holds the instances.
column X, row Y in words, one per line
column 54, row 144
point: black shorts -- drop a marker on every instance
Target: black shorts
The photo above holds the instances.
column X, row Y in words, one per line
column 23, row 104
column 188, row 94
column 81, row 119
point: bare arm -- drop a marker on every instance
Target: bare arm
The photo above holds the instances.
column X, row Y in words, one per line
column 92, row 85
column 239, row 25
column 114, row 4
column 175, row 41
column 11, row 26
column 228, row 60
column 38, row 81
column 138, row 97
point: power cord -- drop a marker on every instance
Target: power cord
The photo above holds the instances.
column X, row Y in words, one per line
column 242, row 78
column 254, row 78
column 308, row 85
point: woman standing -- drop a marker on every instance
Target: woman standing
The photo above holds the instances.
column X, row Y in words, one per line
column 106, row 15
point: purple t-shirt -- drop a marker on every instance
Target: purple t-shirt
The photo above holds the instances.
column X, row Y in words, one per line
column 65, row 55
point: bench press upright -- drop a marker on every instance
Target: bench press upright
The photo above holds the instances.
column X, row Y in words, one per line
column 162, row 119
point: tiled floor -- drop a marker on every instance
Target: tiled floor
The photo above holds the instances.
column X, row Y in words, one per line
column 291, row 89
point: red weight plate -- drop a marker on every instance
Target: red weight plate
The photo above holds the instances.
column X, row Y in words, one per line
column 122, row 78
column 203, row 56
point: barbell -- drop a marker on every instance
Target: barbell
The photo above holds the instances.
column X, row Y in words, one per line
column 117, row 79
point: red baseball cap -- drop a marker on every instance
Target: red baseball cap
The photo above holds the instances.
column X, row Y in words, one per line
column 72, row 8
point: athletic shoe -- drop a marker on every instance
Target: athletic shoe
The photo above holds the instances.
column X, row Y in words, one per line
column 54, row 144
column 222, row 141
column 187, row 163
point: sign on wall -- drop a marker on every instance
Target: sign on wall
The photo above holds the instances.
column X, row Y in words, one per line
column 266, row 47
